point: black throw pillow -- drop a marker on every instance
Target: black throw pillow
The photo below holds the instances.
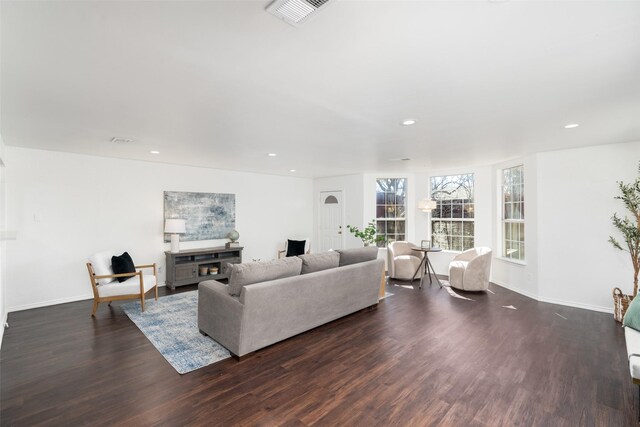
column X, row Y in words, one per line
column 123, row 264
column 295, row 247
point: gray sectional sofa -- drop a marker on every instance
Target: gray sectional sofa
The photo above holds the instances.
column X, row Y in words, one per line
column 267, row 302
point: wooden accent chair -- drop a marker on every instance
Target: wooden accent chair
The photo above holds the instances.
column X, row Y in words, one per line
column 307, row 247
column 106, row 287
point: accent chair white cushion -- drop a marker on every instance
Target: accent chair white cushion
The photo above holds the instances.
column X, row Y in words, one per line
column 403, row 261
column 101, row 263
column 471, row 269
column 128, row 287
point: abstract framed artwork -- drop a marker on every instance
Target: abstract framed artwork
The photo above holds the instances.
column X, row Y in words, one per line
column 208, row 215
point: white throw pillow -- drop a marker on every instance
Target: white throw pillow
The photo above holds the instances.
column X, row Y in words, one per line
column 101, row 263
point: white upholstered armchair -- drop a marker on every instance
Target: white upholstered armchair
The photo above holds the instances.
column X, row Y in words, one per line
column 402, row 260
column 470, row 270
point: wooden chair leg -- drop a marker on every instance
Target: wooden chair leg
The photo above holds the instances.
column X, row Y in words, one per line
column 95, row 308
column 142, row 302
column 156, row 292
column 109, row 303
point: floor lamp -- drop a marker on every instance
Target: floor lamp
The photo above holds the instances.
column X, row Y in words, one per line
column 426, row 205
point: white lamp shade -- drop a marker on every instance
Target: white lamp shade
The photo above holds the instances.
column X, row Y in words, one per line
column 174, row 226
column 427, row 205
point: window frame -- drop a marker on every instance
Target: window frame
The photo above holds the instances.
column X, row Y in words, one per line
column 512, row 221
column 464, row 219
column 394, row 219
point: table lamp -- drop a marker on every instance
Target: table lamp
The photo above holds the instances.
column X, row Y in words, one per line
column 175, row 227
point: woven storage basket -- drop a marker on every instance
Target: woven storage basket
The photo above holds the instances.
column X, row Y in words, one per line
column 620, row 304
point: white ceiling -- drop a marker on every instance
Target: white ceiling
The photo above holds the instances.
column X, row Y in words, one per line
column 221, row 84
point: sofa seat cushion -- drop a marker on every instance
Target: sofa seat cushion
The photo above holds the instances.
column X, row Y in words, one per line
column 128, row 287
column 320, row 261
column 632, row 338
column 357, row 255
column 262, row 271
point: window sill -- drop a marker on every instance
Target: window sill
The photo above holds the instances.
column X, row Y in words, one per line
column 512, row 261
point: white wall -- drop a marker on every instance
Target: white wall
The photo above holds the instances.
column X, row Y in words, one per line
column 3, row 236
column 521, row 277
column 577, row 265
column 568, row 206
column 67, row 206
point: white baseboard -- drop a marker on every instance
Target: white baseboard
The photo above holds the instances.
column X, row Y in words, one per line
column 556, row 301
column 49, row 302
column 4, row 322
column 518, row 290
column 56, row 302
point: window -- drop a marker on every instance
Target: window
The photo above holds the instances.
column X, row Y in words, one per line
column 452, row 222
column 391, row 207
column 513, row 213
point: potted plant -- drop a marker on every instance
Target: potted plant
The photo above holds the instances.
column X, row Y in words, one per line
column 630, row 230
column 368, row 234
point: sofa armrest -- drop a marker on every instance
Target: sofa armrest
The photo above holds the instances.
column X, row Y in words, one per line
column 220, row 314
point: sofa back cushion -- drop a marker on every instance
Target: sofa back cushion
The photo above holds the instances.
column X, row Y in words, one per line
column 319, row 261
column 262, row 271
column 356, row 255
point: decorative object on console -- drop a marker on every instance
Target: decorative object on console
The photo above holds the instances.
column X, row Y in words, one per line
column 175, row 227
column 105, row 288
column 208, row 215
column 122, row 264
column 630, row 230
column 233, row 235
column 368, row 234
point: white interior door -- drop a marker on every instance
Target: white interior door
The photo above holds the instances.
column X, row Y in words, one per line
column 330, row 220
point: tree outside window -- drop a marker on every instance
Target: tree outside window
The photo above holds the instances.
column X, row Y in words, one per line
column 452, row 221
column 391, row 207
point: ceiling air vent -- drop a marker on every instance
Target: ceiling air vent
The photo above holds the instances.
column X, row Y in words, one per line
column 295, row 12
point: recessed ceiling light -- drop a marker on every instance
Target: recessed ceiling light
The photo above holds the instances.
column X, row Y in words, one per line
column 272, row 154
column 292, row 170
column 154, row 152
column 408, row 122
column 571, row 126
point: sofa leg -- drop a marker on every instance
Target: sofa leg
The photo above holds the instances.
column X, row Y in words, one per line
column 242, row 358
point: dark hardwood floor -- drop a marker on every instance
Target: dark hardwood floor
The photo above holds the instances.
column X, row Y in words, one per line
column 423, row 358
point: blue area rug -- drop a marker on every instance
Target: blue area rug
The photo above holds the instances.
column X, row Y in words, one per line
column 171, row 324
